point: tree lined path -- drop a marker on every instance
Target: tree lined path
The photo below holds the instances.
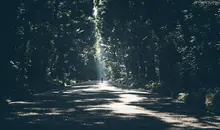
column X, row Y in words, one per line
column 103, row 106
column 168, row 46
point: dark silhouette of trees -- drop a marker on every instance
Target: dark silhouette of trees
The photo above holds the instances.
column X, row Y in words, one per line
column 175, row 42
column 45, row 43
column 51, row 42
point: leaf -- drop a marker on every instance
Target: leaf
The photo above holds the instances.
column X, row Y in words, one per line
column 68, row 14
column 90, row 19
column 36, row 28
column 52, row 42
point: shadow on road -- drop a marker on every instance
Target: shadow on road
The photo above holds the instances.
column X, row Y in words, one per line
column 102, row 106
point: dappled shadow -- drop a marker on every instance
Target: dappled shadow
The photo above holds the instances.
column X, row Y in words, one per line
column 100, row 106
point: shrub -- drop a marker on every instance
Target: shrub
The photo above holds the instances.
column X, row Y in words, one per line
column 158, row 87
column 209, row 101
column 212, row 101
column 183, row 96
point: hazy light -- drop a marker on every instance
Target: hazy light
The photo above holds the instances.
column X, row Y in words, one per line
column 95, row 12
column 26, row 114
column 97, row 9
column 23, row 102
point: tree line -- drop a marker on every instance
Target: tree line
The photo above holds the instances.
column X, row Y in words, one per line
column 176, row 42
column 46, row 44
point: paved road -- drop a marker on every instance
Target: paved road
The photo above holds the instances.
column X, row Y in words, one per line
column 103, row 106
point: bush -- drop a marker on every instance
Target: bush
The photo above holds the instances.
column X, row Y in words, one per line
column 152, row 85
column 183, row 96
column 212, row 101
column 209, row 101
column 158, row 87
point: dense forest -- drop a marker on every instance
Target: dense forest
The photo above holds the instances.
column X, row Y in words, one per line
column 46, row 44
column 167, row 44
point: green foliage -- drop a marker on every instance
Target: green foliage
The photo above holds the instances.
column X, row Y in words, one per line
column 158, row 87
column 174, row 44
column 170, row 42
column 52, row 42
column 212, row 101
column 49, row 45
column 183, row 97
column 153, row 85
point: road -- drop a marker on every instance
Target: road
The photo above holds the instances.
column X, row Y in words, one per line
column 103, row 106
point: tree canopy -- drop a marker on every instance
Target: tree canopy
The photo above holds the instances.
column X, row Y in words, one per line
column 55, row 41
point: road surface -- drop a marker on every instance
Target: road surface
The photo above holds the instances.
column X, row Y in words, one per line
column 103, row 106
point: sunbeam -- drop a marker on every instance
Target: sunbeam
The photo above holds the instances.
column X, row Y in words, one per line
column 97, row 11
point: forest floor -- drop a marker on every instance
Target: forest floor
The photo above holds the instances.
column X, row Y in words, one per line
column 103, row 106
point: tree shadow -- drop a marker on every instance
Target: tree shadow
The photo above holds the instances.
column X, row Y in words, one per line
column 105, row 107
column 57, row 112
column 166, row 106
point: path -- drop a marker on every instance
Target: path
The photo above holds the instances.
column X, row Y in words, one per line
column 102, row 106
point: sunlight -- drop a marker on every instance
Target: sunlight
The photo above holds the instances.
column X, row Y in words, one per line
column 98, row 36
column 26, row 113
column 129, row 98
column 43, row 112
column 53, row 114
column 97, row 12
column 122, row 105
column 23, row 102
column 38, row 109
column 124, row 109
column 56, row 92
column 99, row 123
column 104, row 84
